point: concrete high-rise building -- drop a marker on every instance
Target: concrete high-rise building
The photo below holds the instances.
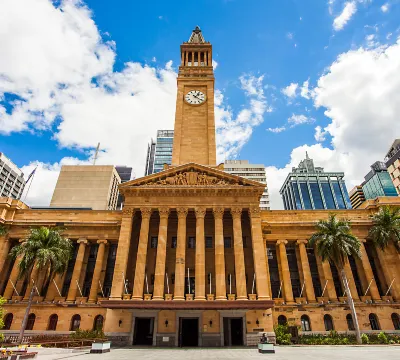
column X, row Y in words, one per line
column 87, row 186
column 12, row 181
column 254, row 172
column 392, row 161
column 357, row 196
column 159, row 152
column 125, row 174
column 378, row 182
column 310, row 188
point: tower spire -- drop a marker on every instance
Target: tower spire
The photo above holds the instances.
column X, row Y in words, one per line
column 197, row 36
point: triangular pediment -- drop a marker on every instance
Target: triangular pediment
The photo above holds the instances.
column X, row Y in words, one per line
column 191, row 175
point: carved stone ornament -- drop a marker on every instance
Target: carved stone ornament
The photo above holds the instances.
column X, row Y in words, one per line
column 255, row 211
column 236, row 212
column 164, row 212
column 182, row 212
column 218, row 212
column 192, row 178
column 200, row 212
column 128, row 211
column 146, row 212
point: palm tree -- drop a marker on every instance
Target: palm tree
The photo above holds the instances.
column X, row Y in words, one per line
column 44, row 250
column 334, row 243
column 3, row 230
column 386, row 227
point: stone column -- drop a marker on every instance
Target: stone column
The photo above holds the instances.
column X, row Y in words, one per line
column 369, row 275
column 121, row 260
column 220, row 278
column 9, row 290
column 73, row 287
column 141, row 255
column 309, row 287
column 94, row 288
column 52, row 290
column 33, row 275
column 388, row 259
column 179, row 288
column 287, row 282
column 259, row 254
column 159, row 277
column 241, row 291
column 200, row 269
column 330, row 290
column 5, row 244
column 350, row 279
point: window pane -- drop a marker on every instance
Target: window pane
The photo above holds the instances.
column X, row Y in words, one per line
column 209, row 244
column 227, row 242
column 316, row 195
column 338, row 194
column 297, row 196
column 306, row 196
column 326, row 190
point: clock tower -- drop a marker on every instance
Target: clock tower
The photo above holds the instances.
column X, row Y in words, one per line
column 194, row 135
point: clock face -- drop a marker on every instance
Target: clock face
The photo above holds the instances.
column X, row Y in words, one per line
column 195, row 97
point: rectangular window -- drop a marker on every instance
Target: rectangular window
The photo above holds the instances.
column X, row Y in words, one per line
column 296, row 196
column 326, row 190
column 191, row 242
column 306, row 196
column 153, row 242
column 209, row 243
column 227, row 242
column 173, row 242
column 316, row 195
column 338, row 194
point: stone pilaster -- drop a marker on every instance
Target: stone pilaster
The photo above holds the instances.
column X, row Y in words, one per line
column 200, row 269
column 94, row 288
column 73, row 287
column 330, row 290
column 4, row 250
column 179, row 288
column 259, row 254
column 287, row 283
column 220, row 277
column 141, row 255
column 389, row 259
column 350, row 279
column 369, row 275
column 306, row 271
column 9, row 290
column 121, row 260
column 32, row 276
column 241, row 292
column 159, row 279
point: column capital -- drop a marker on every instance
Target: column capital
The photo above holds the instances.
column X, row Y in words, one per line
column 200, row 212
column 182, row 212
column 255, row 211
column 128, row 211
column 284, row 242
column 164, row 212
column 102, row 242
column 363, row 240
column 146, row 212
column 218, row 212
column 236, row 211
column 82, row 241
column 301, row 241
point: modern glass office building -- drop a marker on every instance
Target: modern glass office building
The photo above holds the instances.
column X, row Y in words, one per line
column 159, row 152
column 310, row 188
column 378, row 182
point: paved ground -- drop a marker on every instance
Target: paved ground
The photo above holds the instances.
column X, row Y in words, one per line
column 282, row 353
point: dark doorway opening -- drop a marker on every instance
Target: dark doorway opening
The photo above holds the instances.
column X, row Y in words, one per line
column 189, row 332
column 143, row 331
column 233, row 331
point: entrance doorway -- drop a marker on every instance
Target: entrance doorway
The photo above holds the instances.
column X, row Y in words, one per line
column 233, row 331
column 144, row 328
column 188, row 332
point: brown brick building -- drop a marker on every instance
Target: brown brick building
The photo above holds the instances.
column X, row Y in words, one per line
column 191, row 260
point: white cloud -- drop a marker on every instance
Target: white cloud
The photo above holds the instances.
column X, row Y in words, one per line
column 304, row 91
column 214, row 64
column 371, row 41
column 277, row 130
column 319, row 134
column 290, row 90
column 289, row 35
column 153, row 59
column 343, row 18
column 385, row 7
column 300, row 119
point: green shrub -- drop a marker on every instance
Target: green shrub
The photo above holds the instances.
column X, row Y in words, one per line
column 87, row 334
column 1, row 338
column 283, row 335
column 364, row 339
column 383, row 338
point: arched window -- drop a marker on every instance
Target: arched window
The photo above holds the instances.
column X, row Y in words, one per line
column 396, row 321
column 31, row 321
column 350, row 323
column 98, row 323
column 282, row 320
column 75, row 322
column 373, row 320
column 305, row 323
column 53, row 319
column 8, row 319
column 328, row 322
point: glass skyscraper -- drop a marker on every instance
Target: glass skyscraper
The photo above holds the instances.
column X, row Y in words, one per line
column 378, row 182
column 159, row 152
column 310, row 188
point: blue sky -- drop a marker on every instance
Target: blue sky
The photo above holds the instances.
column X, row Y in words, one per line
column 82, row 72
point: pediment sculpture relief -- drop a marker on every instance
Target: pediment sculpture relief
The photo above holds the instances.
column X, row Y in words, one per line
column 192, row 178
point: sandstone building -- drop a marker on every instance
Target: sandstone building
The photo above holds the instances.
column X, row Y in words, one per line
column 191, row 260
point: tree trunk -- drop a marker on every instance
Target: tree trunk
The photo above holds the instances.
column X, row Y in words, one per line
column 351, row 305
column 25, row 320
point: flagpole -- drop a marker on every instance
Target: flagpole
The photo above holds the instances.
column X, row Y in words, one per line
column 34, row 173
